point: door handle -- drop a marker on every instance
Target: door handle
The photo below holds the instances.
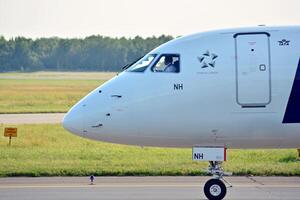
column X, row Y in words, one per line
column 262, row 67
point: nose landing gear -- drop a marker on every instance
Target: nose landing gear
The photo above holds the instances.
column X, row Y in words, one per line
column 215, row 189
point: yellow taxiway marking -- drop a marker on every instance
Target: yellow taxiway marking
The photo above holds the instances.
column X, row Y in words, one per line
column 139, row 186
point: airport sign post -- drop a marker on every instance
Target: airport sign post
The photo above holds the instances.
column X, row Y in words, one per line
column 10, row 132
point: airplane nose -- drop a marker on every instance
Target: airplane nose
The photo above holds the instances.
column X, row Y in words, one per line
column 73, row 121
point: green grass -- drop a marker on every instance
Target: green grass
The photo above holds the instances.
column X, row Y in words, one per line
column 45, row 92
column 49, row 150
column 58, row 75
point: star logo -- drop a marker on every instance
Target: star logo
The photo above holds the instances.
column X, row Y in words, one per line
column 207, row 59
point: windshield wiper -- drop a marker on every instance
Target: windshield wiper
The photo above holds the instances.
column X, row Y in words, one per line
column 130, row 64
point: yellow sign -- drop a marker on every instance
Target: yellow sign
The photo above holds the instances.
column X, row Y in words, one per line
column 10, row 132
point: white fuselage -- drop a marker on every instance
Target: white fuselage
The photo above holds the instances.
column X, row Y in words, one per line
column 236, row 88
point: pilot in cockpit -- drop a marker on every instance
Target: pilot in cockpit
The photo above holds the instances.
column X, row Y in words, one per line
column 170, row 67
column 167, row 63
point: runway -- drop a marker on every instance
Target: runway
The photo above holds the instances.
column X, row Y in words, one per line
column 36, row 118
column 137, row 188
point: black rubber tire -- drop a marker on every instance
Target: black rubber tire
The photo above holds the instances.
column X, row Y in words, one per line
column 214, row 182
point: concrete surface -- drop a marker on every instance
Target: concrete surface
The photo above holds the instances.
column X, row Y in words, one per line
column 137, row 188
column 39, row 118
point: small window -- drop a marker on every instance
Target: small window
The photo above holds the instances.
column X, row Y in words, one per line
column 142, row 64
column 168, row 63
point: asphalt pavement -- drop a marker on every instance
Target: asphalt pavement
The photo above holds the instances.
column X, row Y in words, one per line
column 137, row 188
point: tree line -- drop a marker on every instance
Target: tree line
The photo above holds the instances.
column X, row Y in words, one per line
column 93, row 53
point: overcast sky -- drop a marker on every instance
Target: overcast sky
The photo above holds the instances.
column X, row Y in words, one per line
column 81, row 18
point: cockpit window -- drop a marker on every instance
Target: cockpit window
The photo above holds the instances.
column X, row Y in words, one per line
column 167, row 63
column 142, row 64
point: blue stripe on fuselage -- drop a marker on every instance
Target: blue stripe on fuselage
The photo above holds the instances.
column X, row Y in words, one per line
column 292, row 112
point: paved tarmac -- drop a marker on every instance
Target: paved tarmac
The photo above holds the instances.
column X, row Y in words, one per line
column 38, row 118
column 137, row 188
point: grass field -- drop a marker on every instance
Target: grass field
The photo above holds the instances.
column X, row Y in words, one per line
column 49, row 150
column 45, row 92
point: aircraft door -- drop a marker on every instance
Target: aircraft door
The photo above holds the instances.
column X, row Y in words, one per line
column 253, row 69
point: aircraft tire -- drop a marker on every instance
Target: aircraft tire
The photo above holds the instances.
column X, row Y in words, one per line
column 215, row 189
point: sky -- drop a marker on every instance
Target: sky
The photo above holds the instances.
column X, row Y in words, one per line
column 117, row 18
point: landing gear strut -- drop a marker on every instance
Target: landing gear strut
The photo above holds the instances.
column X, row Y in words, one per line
column 215, row 189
